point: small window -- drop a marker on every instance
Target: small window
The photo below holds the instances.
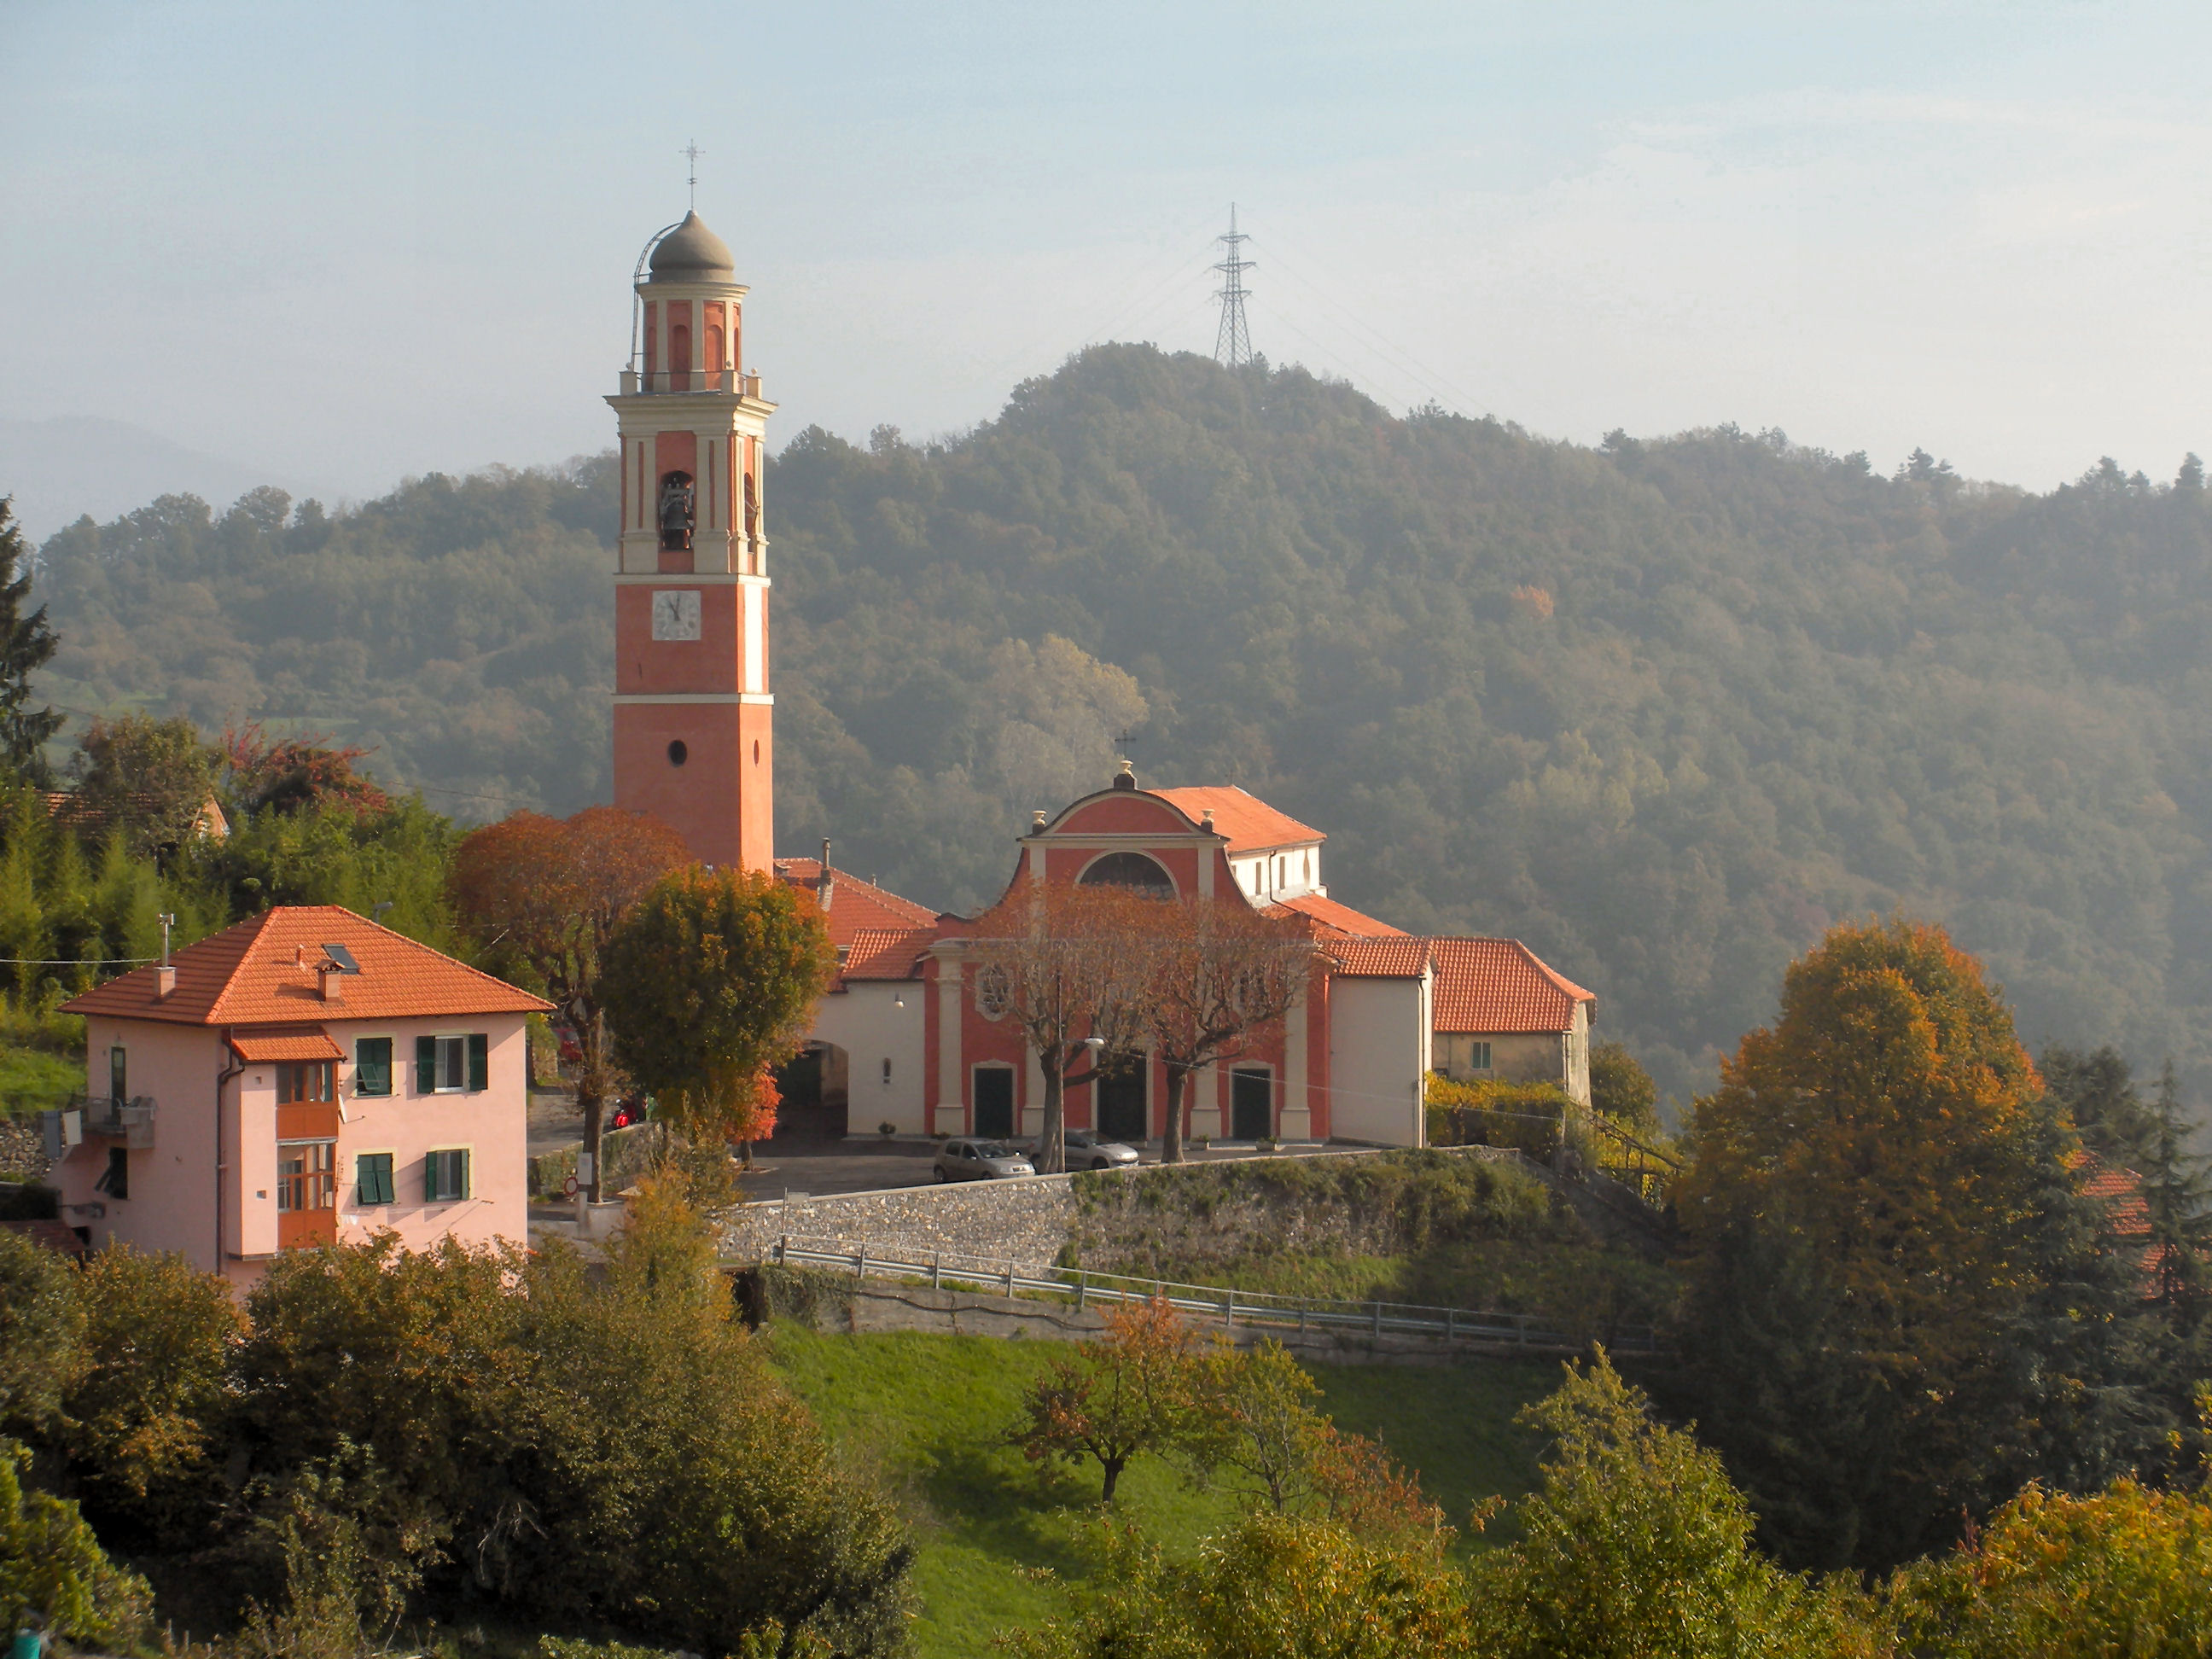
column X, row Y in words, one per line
column 373, row 1179
column 446, row 1176
column 115, row 1181
column 1478, row 1056
column 887, row 1072
column 372, row 1067
column 678, row 752
column 304, row 1080
column 452, row 1064
column 118, row 1076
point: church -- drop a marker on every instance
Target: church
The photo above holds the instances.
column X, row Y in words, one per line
column 910, row 1040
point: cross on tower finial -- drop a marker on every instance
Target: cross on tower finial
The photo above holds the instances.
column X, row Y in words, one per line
column 694, row 153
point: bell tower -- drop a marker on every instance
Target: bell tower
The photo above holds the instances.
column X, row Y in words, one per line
column 693, row 737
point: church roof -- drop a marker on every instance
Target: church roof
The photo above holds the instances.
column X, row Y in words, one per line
column 692, row 253
column 1249, row 823
column 855, row 906
column 885, row 952
column 262, row 972
column 1485, row 985
column 1337, row 918
column 1404, row 957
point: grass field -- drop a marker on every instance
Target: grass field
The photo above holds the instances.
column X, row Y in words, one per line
column 928, row 1414
column 31, row 1080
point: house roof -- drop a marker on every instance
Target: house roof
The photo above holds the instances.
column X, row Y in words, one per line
column 1249, row 823
column 66, row 806
column 1485, row 985
column 56, row 1236
column 1339, row 918
column 1403, row 958
column 262, row 972
column 855, row 906
column 309, row 1043
column 885, row 952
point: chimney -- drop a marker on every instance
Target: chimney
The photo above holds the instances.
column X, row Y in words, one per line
column 827, row 883
column 165, row 981
column 330, row 982
column 299, row 955
column 1205, row 824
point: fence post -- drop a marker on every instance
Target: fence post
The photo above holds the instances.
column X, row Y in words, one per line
column 1378, row 1319
column 1229, row 1311
column 936, row 1270
column 861, row 1262
column 1451, row 1316
column 1302, row 1317
column 1082, row 1288
column 782, row 1245
column 1010, row 1275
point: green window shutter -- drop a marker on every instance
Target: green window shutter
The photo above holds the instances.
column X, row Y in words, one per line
column 373, row 1178
column 372, row 1065
column 426, row 1065
column 479, row 1062
column 433, row 1176
column 461, row 1173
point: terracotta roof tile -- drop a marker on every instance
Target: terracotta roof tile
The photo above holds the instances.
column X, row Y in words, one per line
column 1381, row 958
column 262, row 972
column 855, row 906
column 274, row 1045
column 885, row 952
column 1249, row 823
column 1485, row 985
column 56, row 1236
column 1342, row 918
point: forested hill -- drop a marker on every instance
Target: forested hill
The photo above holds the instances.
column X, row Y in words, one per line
column 1663, row 709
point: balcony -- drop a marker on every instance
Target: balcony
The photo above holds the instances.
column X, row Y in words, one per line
column 130, row 1122
column 726, row 380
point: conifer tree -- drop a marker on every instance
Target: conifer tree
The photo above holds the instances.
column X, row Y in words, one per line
column 2176, row 1189
column 27, row 643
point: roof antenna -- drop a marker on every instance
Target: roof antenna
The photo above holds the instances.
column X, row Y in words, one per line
column 168, row 921
column 694, row 152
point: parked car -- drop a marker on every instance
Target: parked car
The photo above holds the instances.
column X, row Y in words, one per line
column 1088, row 1149
column 963, row 1159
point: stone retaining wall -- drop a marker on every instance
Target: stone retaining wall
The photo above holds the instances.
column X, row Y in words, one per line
column 23, row 1147
column 1025, row 1220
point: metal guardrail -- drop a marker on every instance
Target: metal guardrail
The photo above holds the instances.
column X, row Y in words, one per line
column 1249, row 1309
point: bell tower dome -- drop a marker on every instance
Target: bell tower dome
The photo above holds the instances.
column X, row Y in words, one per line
column 693, row 738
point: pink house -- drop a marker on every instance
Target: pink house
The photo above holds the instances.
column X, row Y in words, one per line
column 304, row 1077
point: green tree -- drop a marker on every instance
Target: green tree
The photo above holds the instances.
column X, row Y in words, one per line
column 147, row 780
column 1638, row 1545
column 710, row 980
column 148, row 1413
column 42, row 1323
column 2097, row 1090
column 27, row 645
column 2178, row 1191
column 1622, row 1089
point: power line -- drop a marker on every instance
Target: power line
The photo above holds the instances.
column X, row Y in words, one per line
column 1232, row 341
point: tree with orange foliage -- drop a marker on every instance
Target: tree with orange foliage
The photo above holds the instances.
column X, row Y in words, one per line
column 1066, row 964
column 290, row 772
column 1129, row 1392
column 543, row 898
column 1862, row 1195
column 1218, row 971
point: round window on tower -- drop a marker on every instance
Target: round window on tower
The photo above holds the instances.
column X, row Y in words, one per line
column 677, row 754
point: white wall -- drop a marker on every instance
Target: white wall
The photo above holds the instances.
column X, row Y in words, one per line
column 867, row 1022
column 1378, row 1059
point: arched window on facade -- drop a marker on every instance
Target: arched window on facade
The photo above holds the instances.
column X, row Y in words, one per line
column 715, row 362
column 679, row 357
column 1134, row 871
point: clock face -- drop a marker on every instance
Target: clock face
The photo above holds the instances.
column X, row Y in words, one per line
column 676, row 615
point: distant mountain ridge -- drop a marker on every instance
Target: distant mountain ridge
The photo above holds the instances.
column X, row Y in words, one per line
column 1662, row 709
column 63, row 468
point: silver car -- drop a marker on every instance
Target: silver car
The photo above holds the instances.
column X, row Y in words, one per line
column 1088, row 1149
column 961, row 1159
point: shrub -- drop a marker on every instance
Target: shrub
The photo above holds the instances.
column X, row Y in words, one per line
column 41, row 1332
column 52, row 1568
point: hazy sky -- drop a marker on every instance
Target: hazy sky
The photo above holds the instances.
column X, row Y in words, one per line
column 343, row 243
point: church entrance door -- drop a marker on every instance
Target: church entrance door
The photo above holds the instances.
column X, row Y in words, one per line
column 1251, row 1103
column 994, row 1100
column 1119, row 1098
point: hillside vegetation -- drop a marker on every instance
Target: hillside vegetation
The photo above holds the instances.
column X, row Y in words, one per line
column 1664, row 710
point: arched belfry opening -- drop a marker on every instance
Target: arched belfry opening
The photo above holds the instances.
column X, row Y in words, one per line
column 679, row 512
column 1134, row 871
